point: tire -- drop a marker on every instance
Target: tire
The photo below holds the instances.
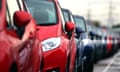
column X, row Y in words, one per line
column 68, row 64
column 88, row 67
column 13, row 68
column 75, row 66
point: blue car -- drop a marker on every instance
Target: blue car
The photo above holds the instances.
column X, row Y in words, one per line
column 85, row 47
column 104, row 44
column 96, row 36
column 99, row 44
column 85, row 50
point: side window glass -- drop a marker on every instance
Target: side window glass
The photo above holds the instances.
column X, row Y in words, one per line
column 12, row 6
column 71, row 16
column 66, row 16
column 8, row 20
column 20, row 3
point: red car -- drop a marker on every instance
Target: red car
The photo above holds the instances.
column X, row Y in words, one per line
column 109, row 44
column 56, row 36
column 19, row 50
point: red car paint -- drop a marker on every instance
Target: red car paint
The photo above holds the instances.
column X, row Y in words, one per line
column 22, row 54
column 58, row 58
column 109, row 41
column 109, row 44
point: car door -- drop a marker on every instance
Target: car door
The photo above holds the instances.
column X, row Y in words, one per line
column 22, row 47
column 24, row 53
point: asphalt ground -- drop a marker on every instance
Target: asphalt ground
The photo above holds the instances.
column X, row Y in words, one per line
column 111, row 64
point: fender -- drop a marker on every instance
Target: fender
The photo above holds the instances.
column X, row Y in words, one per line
column 84, row 48
column 6, row 57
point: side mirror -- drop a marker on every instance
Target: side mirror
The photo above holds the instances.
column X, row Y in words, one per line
column 79, row 30
column 21, row 18
column 69, row 26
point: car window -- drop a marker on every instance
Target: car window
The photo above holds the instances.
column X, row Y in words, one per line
column 43, row 11
column 80, row 23
column 89, row 27
column 66, row 16
column 12, row 7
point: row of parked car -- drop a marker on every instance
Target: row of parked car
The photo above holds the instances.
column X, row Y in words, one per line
column 40, row 36
column 92, row 43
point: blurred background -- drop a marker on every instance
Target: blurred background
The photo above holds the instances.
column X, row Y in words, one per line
column 102, row 13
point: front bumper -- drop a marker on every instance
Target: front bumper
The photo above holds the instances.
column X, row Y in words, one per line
column 55, row 60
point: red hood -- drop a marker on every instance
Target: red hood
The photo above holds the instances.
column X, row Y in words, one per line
column 45, row 32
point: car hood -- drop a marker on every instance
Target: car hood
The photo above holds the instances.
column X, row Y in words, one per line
column 45, row 32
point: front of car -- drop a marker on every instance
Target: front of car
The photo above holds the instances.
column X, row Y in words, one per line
column 54, row 42
column 114, row 42
column 69, row 18
column 85, row 48
column 95, row 40
column 99, row 49
column 109, row 44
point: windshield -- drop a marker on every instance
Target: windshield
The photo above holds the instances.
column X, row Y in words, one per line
column 80, row 23
column 43, row 11
column 89, row 27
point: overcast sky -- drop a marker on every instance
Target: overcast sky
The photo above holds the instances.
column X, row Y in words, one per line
column 99, row 9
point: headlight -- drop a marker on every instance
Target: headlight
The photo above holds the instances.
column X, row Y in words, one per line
column 103, row 41
column 51, row 43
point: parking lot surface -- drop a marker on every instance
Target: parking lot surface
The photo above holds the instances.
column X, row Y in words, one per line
column 111, row 64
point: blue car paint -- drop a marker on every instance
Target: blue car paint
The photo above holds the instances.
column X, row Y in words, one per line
column 85, row 49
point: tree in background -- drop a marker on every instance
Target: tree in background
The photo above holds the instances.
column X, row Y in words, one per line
column 96, row 23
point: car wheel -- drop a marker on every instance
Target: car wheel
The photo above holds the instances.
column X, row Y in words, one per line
column 13, row 68
column 68, row 64
column 88, row 67
column 75, row 66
